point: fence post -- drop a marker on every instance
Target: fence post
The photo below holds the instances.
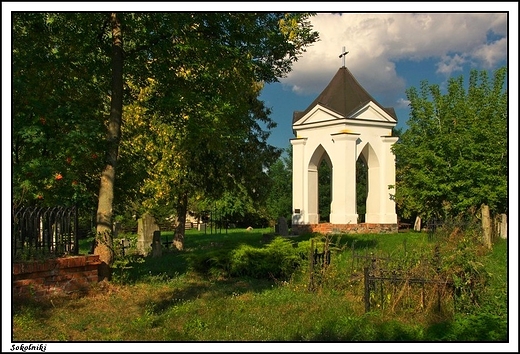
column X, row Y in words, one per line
column 311, row 268
column 367, row 290
column 76, row 236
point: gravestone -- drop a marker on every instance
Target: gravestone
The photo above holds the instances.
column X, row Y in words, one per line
column 124, row 245
column 486, row 226
column 502, row 226
column 116, row 229
column 417, row 224
column 283, row 230
column 146, row 226
column 156, row 244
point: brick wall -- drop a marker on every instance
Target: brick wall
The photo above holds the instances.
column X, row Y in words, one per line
column 325, row 228
column 61, row 275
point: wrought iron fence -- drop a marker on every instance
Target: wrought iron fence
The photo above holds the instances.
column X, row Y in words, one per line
column 432, row 226
column 392, row 286
column 44, row 231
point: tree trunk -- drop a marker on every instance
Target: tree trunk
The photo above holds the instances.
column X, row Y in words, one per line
column 180, row 228
column 486, row 226
column 104, row 244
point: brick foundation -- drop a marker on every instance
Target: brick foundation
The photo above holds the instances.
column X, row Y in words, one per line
column 62, row 275
column 326, row 228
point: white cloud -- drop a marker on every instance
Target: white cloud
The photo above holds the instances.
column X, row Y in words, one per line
column 450, row 64
column 490, row 54
column 402, row 103
column 376, row 41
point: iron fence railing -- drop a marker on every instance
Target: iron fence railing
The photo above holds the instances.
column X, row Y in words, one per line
column 44, row 231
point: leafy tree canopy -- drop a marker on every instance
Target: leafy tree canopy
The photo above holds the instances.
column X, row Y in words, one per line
column 192, row 121
column 454, row 156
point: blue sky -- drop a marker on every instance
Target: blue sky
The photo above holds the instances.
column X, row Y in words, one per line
column 389, row 53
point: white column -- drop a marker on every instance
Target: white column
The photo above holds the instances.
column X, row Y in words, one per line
column 375, row 190
column 298, row 190
column 344, row 206
column 312, row 194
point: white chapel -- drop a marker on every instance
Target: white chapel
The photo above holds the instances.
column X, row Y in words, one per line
column 342, row 124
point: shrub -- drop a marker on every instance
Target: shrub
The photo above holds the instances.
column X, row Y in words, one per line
column 278, row 260
column 463, row 252
column 214, row 263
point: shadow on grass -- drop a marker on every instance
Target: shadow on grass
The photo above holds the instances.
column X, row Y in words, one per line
column 208, row 254
column 166, row 298
column 482, row 328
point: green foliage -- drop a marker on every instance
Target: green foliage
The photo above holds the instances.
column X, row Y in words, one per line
column 325, row 194
column 192, row 118
column 361, row 188
column 454, row 158
column 279, row 200
column 215, row 263
column 199, row 126
column 58, row 105
column 462, row 262
column 30, row 254
column 278, row 260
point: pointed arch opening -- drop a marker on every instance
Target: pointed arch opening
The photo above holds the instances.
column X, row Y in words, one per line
column 319, row 186
column 361, row 188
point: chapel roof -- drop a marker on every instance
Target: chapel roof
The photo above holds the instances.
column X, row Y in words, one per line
column 343, row 95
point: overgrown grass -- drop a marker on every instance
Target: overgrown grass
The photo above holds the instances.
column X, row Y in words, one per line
column 214, row 291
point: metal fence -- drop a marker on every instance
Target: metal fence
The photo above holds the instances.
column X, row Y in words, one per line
column 390, row 285
column 44, row 231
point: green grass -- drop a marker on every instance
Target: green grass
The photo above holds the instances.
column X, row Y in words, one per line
column 173, row 298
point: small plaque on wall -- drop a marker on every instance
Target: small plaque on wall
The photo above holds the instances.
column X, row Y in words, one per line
column 297, row 211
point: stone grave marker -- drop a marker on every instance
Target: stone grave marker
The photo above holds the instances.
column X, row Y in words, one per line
column 146, row 226
column 502, row 226
column 116, row 227
column 124, row 245
column 283, row 230
column 156, row 244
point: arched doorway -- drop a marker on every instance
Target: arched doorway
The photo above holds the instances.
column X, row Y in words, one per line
column 367, row 167
column 361, row 188
column 320, row 160
column 324, row 190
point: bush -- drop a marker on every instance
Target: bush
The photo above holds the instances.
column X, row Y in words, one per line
column 463, row 263
column 278, row 260
column 214, row 263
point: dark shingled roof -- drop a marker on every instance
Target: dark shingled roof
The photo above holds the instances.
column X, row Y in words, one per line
column 343, row 95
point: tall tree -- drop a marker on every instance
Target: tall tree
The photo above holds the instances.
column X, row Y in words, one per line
column 215, row 65
column 196, row 76
column 104, row 246
column 454, row 156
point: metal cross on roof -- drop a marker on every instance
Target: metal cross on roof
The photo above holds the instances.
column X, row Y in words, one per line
column 343, row 55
